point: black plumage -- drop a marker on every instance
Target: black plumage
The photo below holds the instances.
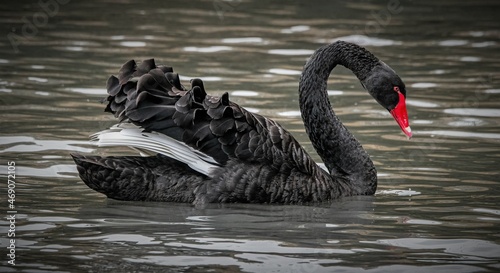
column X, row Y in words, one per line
column 257, row 160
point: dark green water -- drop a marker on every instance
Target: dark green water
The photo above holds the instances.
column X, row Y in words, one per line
column 436, row 208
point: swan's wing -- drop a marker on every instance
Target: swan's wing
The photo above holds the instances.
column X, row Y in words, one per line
column 219, row 130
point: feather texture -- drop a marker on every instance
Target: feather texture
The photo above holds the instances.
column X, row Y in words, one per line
column 212, row 125
column 209, row 149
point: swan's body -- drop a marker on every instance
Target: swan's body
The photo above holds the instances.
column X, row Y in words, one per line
column 209, row 149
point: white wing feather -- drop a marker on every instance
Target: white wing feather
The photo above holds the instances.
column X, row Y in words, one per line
column 127, row 134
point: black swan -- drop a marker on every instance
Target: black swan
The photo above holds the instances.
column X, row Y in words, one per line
column 206, row 149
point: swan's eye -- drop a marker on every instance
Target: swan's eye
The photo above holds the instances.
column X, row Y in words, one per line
column 396, row 89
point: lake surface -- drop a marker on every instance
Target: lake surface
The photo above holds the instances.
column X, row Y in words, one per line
column 437, row 205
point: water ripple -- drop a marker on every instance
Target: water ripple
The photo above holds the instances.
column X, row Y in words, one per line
column 468, row 247
column 253, row 246
column 30, row 144
column 364, row 40
column 209, row 49
column 453, row 42
column 460, row 134
column 243, row 40
column 423, row 85
column 88, row 91
column 294, row 29
column 291, row 52
column 478, row 112
column 133, row 44
column 421, row 103
column 129, row 238
column 244, row 93
column 282, row 71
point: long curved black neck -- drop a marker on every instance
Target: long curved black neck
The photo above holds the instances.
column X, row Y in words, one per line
column 342, row 154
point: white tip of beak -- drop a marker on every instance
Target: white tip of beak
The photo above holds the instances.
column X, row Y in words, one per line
column 408, row 132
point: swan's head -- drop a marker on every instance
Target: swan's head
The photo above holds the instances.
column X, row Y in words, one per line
column 387, row 88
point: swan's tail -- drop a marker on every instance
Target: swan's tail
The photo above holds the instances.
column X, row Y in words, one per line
column 135, row 178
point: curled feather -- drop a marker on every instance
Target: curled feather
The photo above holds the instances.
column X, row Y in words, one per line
column 153, row 98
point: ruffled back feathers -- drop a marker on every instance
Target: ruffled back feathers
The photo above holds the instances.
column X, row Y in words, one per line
column 153, row 98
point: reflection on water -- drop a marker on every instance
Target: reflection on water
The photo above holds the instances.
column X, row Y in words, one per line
column 436, row 208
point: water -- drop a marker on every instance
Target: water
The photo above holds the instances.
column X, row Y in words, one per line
column 436, row 208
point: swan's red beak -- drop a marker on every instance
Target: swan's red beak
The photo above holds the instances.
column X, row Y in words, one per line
column 401, row 115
